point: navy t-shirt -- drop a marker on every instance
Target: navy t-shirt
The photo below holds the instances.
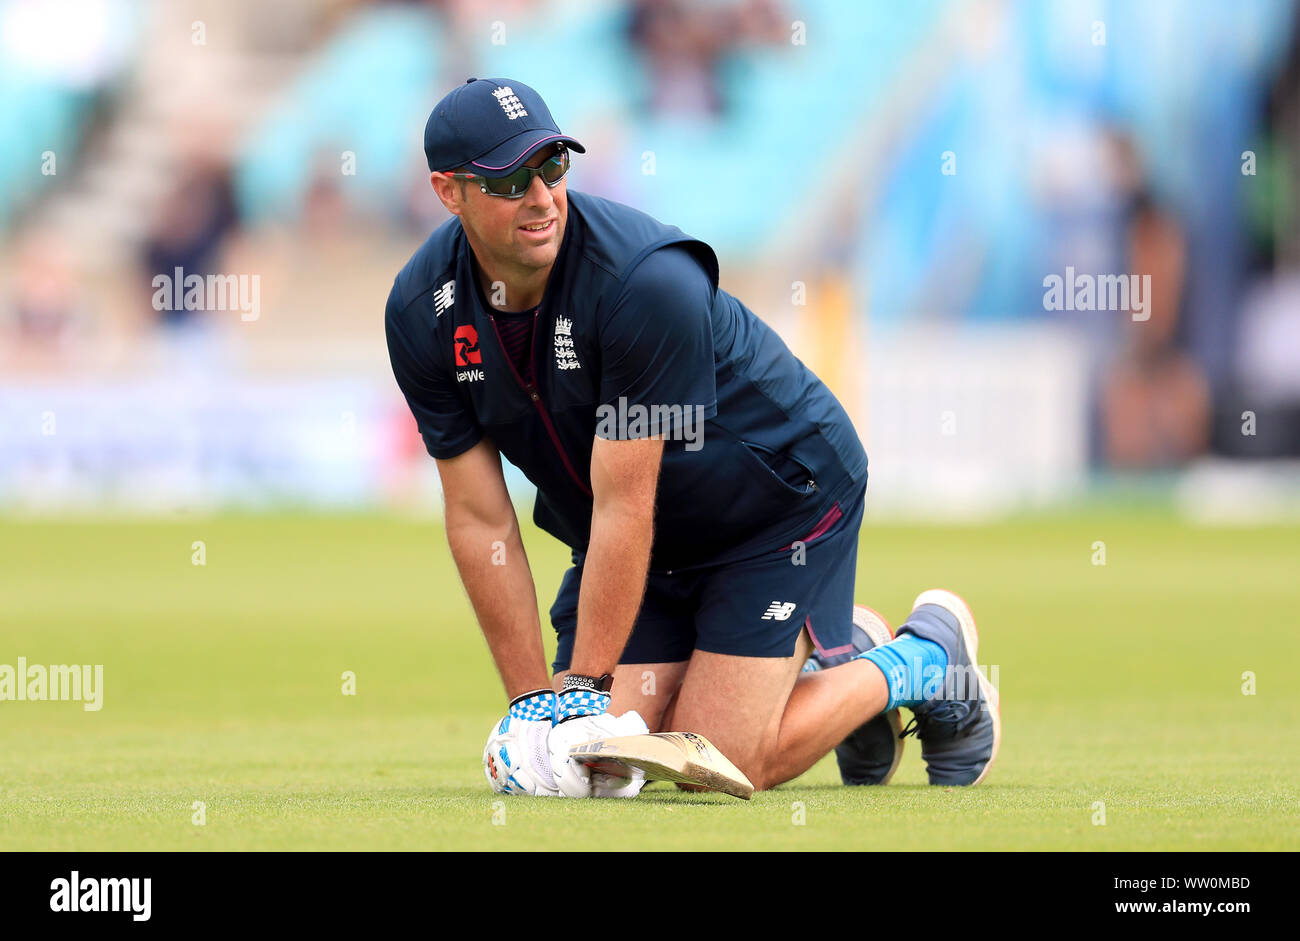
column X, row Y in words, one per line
column 614, row 340
column 516, row 331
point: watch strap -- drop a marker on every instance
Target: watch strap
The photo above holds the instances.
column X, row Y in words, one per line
column 598, row 684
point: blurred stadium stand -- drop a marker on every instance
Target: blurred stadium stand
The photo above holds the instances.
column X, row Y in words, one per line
column 807, row 140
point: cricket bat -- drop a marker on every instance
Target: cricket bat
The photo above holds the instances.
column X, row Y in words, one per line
column 682, row 757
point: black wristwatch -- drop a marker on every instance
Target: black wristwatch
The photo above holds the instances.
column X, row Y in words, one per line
column 597, row 684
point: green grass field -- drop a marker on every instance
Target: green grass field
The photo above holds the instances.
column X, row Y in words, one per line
column 222, row 684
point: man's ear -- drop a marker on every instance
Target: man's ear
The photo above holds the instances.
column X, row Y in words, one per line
column 448, row 192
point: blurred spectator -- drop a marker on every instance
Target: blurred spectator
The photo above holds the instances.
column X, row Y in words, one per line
column 325, row 211
column 421, row 211
column 1268, row 355
column 1155, row 399
column 43, row 309
column 684, row 44
column 1259, row 416
column 190, row 228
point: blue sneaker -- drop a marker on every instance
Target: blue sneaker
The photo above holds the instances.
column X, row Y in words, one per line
column 871, row 752
column 960, row 728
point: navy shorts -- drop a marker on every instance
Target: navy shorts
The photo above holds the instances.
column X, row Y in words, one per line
column 752, row 608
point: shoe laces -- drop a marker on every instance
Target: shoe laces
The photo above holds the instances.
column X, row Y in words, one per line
column 943, row 719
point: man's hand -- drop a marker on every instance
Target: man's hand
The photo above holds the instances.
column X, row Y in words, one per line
column 516, row 759
column 576, row 780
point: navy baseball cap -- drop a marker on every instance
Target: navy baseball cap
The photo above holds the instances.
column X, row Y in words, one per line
column 491, row 126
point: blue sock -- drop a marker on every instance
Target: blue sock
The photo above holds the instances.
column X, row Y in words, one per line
column 913, row 668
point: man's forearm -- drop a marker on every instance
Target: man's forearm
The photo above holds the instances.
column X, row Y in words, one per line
column 613, row 581
column 495, row 572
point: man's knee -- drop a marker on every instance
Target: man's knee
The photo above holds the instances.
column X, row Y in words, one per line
column 751, row 755
column 649, row 688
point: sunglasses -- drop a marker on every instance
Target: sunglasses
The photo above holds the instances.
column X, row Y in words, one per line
column 515, row 185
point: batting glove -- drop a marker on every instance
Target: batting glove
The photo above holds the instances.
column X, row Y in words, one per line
column 576, row 780
column 516, row 759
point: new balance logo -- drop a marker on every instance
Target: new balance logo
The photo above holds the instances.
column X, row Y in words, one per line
column 510, row 103
column 444, row 297
column 779, row 611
